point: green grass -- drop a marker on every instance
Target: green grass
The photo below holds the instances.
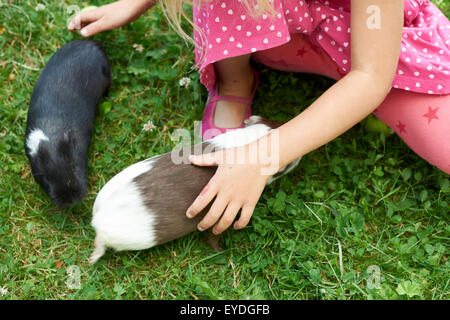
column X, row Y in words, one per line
column 362, row 200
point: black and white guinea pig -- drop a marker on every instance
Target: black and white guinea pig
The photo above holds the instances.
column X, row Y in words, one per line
column 61, row 118
column 145, row 204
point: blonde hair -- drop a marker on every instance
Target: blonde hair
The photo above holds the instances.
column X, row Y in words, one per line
column 174, row 12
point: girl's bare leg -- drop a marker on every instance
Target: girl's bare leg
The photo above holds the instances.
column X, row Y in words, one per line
column 234, row 78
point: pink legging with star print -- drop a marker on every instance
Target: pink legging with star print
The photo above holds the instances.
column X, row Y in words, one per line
column 421, row 120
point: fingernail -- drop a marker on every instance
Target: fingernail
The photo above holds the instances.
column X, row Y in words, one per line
column 189, row 214
column 84, row 32
column 215, row 232
column 200, row 228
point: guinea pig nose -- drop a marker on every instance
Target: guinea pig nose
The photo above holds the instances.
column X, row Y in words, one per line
column 61, row 203
column 69, row 198
column 67, row 203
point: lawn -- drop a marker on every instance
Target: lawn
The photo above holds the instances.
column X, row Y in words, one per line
column 361, row 218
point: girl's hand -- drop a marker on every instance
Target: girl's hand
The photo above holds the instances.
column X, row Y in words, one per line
column 235, row 186
column 110, row 16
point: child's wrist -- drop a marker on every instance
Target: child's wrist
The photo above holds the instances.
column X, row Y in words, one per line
column 278, row 156
column 266, row 151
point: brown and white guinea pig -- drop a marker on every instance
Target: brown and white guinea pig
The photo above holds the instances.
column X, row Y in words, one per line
column 61, row 118
column 145, row 204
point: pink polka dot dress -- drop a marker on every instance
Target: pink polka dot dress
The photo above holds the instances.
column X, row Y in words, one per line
column 229, row 31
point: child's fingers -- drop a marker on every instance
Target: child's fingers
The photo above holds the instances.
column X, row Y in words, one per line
column 214, row 213
column 91, row 15
column 84, row 18
column 93, row 28
column 205, row 197
column 208, row 159
column 244, row 219
column 227, row 218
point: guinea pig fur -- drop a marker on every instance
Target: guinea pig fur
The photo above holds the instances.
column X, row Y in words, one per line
column 145, row 204
column 61, row 118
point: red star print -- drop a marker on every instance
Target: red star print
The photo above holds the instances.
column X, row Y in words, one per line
column 401, row 127
column 301, row 52
column 431, row 114
column 281, row 62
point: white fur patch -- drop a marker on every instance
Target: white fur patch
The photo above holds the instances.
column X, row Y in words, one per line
column 240, row 137
column 243, row 136
column 120, row 217
column 34, row 139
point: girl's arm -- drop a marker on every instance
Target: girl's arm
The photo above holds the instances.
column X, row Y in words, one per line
column 375, row 51
column 110, row 16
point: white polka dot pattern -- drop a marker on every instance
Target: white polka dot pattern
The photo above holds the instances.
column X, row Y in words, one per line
column 230, row 31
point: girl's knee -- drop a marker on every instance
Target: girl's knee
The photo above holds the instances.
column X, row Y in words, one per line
column 439, row 156
column 422, row 121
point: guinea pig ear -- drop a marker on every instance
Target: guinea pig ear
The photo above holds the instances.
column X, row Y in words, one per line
column 67, row 137
column 66, row 145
